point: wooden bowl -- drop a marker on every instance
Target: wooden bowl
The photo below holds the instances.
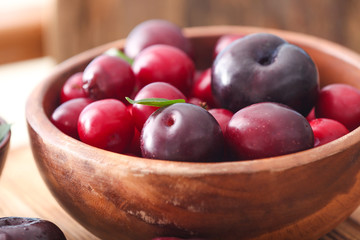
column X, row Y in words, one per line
column 297, row 196
column 4, row 148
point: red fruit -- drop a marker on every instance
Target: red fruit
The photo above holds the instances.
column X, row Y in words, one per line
column 326, row 130
column 108, row 77
column 156, row 31
column 106, row 124
column 266, row 130
column 72, row 88
column 134, row 148
column 65, row 117
column 222, row 116
column 198, row 102
column 224, row 41
column 311, row 115
column 141, row 112
column 340, row 102
column 163, row 63
column 202, row 88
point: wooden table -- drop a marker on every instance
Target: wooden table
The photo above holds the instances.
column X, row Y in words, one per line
column 23, row 193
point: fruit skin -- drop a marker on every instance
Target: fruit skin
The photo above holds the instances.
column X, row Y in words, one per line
column 106, row 124
column 163, row 63
column 72, row 88
column 262, row 67
column 108, row 77
column 326, row 130
column 340, row 102
column 141, row 112
column 311, row 115
column 224, row 41
column 21, row 228
column 222, row 116
column 266, row 130
column 182, row 132
column 201, row 88
column 65, row 116
column 156, row 31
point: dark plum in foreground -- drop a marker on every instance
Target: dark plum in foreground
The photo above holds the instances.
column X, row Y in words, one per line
column 20, row 228
column 266, row 130
column 262, row 67
column 182, row 132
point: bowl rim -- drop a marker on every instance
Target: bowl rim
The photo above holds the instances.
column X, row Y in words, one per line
column 41, row 124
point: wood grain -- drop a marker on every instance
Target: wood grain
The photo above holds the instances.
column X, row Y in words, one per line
column 21, row 34
column 23, row 193
column 79, row 25
column 68, row 27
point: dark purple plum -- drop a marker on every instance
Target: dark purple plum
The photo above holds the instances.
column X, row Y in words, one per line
column 266, row 130
column 21, row 228
column 156, row 31
column 182, row 132
column 263, row 67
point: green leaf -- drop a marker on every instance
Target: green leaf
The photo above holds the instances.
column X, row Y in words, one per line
column 155, row 102
column 4, row 129
column 118, row 53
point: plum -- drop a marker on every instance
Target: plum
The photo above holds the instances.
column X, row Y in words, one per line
column 156, row 31
column 182, row 132
column 263, row 67
column 266, row 130
column 24, row 228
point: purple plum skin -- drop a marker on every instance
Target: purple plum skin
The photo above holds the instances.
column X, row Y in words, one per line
column 21, row 228
column 182, row 132
column 267, row 130
column 262, row 67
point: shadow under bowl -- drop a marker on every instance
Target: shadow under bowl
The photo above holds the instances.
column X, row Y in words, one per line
column 297, row 196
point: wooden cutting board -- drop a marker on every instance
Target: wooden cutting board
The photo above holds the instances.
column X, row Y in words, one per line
column 23, row 193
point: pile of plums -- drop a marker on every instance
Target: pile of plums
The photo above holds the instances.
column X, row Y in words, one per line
column 259, row 98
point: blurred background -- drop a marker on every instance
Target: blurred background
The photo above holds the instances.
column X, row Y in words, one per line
column 62, row 28
column 35, row 35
